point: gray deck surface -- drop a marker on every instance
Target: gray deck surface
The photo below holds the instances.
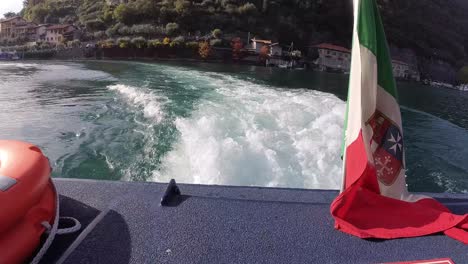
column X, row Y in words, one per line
column 220, row 224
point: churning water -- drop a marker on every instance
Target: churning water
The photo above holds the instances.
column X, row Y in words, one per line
column 213, row 124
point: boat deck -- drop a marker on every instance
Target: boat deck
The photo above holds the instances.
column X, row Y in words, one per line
column 123, row 222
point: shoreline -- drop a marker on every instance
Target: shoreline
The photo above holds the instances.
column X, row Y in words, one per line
column 211, row 61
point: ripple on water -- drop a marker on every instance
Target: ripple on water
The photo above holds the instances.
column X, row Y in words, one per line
column 156, row 122
column 244, row 133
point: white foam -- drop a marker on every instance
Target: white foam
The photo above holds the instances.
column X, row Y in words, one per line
column 245, row 133
column 18, row 65
column 144, row 98
column 448, row 185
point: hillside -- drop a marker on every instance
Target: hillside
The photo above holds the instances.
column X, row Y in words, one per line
column 433, row 29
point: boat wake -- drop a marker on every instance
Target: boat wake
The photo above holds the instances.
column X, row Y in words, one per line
column 143, row 122
column 243, row 133
column 147, row 100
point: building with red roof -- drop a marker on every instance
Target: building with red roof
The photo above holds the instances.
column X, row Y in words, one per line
column 8, row 27
column 15, row 28
column 327, row 46
column 333, row 57
column 257, row 44
column 337, row 58
column 59, row 33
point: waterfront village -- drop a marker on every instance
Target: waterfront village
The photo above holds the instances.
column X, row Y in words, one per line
column 55, row 39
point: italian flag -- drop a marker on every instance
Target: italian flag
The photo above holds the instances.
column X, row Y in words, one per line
column 374, row 201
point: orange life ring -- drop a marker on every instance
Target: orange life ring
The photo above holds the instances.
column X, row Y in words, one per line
column 27, row 199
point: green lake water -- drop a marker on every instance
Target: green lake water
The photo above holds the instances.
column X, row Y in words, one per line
column 216, row 124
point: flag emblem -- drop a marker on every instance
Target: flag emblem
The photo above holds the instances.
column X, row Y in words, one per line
column 387, row 148
column 374, row 195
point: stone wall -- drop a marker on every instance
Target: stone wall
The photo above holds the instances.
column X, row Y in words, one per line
column 72, row 53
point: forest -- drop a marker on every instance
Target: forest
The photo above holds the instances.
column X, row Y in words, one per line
column 436, row 29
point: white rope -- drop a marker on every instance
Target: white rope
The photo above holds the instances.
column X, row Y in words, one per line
column 69, row 230
column 54, row 230
column 82, row 236
column 63, row 231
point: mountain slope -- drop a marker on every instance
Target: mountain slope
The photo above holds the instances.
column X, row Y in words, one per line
column 435, row 29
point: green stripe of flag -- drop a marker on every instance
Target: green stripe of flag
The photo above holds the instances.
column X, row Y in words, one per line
column 372, row 36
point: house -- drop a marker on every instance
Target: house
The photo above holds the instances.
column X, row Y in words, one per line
column 8, row 28
column 333, row 57
column 16, row 27
column 72, row 33
column 279, row 61
column 400, row 69
column 257, row 45
column 40, row 32
column 59, row 33
column 26, row 31
column 403, row 70
column 414, row 74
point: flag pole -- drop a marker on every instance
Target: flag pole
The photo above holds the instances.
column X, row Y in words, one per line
column 353, row 54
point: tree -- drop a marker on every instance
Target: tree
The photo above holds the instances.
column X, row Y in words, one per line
column 462, row 75
column 74, row 43
column 99, row 34
column 108, row 16
column 124, row 30
column 176, row 42
column 182, row 6
column 123, row 42
column 37, row 13
column 146, row 30
column 112, row 32
column 60, row 46
column 45, row 46
column 9, row 14
column 264, row 53
column 139, row 42
column 192, row 45
column 247, row 9
column 124, row 13
column 237, row 46
column 146, row 10
column 172, row 29
column 166, row 41
column 217, row 33
column 180, row 39
column 108, row 43
column 216, row 42
column 204, row 50
column 154, row 43
column 95, row 24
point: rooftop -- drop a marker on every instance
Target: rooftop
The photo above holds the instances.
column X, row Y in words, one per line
column 29, row 25
column 42, row 25
column 11, row 18
column 400, row 62
column 58, row 26
column 332, row 47
column 261, row 41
